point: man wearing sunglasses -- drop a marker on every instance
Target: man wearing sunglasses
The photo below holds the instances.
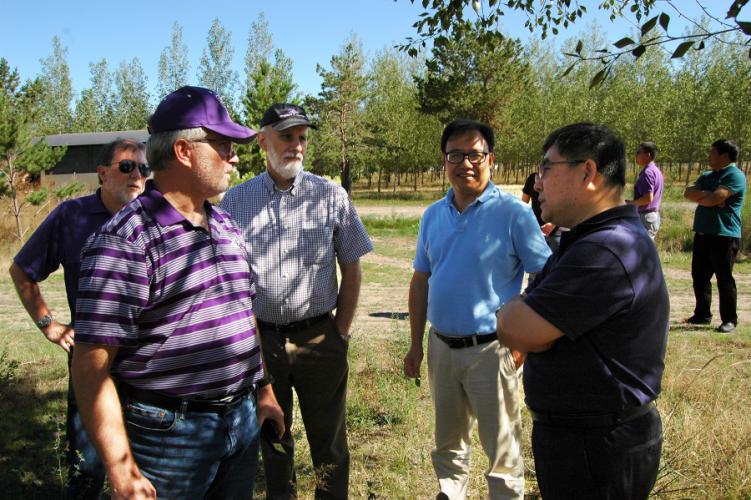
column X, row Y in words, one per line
column 168, row 370
column 299, row 226
column 473, row 249
column 122, row 169
column 595, row 324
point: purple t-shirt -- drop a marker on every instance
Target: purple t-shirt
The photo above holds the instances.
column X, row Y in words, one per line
column 650, row 180
column 605, row 291
column 174, row 298
column 58, row 241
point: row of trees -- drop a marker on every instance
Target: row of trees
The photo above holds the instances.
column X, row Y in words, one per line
column 384, row 114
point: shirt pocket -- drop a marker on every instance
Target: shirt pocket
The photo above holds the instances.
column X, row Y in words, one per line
column 317, row 244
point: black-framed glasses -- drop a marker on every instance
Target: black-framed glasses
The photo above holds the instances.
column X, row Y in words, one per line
column 546, row 165
column 224, row 147
column 474, row 157
column 127, row 166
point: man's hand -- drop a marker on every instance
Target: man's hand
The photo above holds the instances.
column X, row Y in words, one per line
column 547, row 228
column 268, row 408
column 60, row 334
column 412, row 362
column 132, row 486
column 519, row 358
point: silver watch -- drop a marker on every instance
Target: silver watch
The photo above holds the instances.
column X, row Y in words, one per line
column 44, row 321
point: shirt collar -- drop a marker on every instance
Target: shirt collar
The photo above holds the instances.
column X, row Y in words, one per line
column 489, row 192
column 164, row 213
column 268, row 182
column 620, row 212
column 95, row 205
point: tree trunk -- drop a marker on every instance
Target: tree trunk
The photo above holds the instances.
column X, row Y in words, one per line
column 346, row 179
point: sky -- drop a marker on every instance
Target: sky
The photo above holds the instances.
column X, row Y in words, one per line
column 309, row 32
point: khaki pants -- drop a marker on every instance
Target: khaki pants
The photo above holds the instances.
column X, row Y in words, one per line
column 314, row 362
column 478, row 382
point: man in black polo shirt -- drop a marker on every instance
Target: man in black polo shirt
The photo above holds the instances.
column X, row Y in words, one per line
column 594, row 323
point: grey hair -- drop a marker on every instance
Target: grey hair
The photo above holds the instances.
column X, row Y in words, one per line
column 159, row 146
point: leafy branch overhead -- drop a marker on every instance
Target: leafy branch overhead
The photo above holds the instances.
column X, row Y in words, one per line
column 444, row 19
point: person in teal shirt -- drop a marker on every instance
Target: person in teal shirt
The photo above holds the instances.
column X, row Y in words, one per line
column 717, row 223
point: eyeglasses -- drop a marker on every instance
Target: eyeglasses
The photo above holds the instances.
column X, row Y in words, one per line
column 546, row 165
column 127, row 166
column 474, row 157
column 223, row 147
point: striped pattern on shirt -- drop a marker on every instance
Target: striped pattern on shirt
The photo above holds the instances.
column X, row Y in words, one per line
column 175, row 299
column 295, row 238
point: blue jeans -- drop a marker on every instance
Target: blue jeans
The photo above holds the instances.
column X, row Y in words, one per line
column 195, row 454
column 85, row 469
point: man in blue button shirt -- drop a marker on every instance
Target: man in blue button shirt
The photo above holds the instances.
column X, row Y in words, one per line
column 473, row 248
column 595, row 324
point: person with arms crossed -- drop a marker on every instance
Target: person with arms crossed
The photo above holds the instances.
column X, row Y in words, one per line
column 473, row 248
column 164, row 317
column 298, row 227
column 718, row 194
column 594, row 323
column 122, row 171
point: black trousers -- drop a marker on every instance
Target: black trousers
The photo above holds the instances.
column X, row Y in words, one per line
column 615, row 462
column 715, row 255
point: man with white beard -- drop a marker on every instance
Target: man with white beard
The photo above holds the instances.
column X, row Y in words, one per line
column 298, row 226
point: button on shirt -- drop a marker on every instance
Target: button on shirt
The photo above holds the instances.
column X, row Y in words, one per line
column 476, row 258
column 294, row 239
column 174, row 298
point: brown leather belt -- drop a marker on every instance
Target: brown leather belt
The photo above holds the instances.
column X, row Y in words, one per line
column 293, row 327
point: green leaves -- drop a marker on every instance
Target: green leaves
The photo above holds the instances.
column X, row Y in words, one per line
column 681, row 50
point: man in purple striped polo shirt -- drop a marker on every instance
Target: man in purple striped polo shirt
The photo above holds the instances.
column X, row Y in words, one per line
column 167, row 370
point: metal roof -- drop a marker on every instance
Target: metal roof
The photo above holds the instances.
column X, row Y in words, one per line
column 95, row 138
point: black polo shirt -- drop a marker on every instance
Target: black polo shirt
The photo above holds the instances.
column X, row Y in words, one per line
column 604, row 289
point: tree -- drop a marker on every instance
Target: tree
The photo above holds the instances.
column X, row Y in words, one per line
column 400, row 137
column 94, row 111
column 343, row 91
column 22, row 154
column 131, row 98
column 56, row 117
column 215, row 69
column 443, row 17
column 173, row 64
column 266, row 83
column 473, row 74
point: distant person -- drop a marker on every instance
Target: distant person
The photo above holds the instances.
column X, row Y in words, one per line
column 595, row 324
column 299, row 228
column 473, row 248
column 717, row 223
column 167, row 368
column 551, row 232
column 122, row 170
column 648, row 188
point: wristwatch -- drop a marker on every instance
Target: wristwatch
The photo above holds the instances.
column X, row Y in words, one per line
column 44, row 321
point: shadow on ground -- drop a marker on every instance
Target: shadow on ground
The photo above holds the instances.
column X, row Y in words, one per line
column 389, row 315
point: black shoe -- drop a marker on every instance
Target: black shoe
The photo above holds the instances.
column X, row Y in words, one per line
column 697, row 320
column 726, row 327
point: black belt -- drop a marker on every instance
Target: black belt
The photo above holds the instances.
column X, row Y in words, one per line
column 293, row 327
column 585, row 421
column 467, row 341
column 174, row 403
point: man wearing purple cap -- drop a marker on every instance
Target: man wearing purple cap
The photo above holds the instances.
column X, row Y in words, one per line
column 167, row 369
column 298, row 226
column 122, row 171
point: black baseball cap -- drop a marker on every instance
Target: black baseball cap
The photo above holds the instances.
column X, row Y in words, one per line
column 284, row 116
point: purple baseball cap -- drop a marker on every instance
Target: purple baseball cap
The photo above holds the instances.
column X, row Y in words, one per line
column 192, row 107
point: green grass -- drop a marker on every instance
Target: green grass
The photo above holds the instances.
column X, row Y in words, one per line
column 391, row 226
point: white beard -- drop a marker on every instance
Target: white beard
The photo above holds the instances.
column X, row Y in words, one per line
column 286, row 168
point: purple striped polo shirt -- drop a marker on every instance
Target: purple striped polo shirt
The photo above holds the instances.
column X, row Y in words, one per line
column 175, row 299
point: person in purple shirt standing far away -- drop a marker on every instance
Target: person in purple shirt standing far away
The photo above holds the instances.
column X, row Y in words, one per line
column 167, row 370
column 122, row 171
column 648, row 188
column 594, row 323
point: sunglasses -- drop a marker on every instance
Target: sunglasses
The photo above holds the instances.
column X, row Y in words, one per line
column 127, row 166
